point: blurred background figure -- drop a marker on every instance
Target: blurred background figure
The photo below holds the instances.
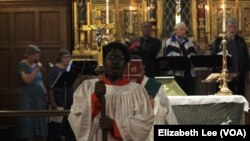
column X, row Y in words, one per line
column 180, row 45
column 238, row 50
column 164, row 114
column 59, row 127
column 32, row 95
column 147, row 47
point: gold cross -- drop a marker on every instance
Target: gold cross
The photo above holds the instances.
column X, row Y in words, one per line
column 98, row 24
column 98, row 28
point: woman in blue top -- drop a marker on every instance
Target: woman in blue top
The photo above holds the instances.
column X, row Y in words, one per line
column 32, row 94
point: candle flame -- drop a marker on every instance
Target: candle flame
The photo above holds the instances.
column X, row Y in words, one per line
column 130, row 7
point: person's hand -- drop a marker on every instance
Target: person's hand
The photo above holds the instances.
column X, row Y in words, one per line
column 39, row 66
column 106, row 123
column 100, row 88
column 53, row 106
column 134, row 45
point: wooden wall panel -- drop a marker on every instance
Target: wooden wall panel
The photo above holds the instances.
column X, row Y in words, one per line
column 4, row 53
column 24, row 27
column 4, row 32
column 46, row 23
column 50, row 26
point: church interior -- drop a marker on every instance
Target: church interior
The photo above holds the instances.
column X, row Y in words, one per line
column 76, row 25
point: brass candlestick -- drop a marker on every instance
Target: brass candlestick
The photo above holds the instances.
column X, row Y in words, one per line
column 224, row 90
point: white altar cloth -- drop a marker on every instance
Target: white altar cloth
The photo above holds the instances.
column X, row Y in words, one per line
column 208, row 99
column 209, row 109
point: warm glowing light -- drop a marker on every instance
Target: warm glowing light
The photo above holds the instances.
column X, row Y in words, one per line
column 130, row 7
column 207, row 7
column 224, row 16
column 177, row 19
column 107, row 14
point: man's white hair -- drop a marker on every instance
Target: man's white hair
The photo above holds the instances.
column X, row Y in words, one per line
column 231, row 21
column 179, row 25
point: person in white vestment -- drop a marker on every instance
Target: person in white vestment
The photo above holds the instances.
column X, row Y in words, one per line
column 164, row 114
column 129, row 114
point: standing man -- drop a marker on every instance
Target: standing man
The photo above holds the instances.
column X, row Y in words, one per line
column 163, row 112
column 147, row 47
column 180, row 45
column 237, row 48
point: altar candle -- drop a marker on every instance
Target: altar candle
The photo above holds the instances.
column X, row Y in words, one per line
column 224, row 16
column 206, row 19
column 107, row 14
column 148, row 16
column 130, row 19
column 239, row 20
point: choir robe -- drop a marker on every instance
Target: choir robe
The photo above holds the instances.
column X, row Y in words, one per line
column 127, row 103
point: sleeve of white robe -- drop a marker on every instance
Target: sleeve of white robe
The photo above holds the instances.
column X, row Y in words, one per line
column 137, row 127
column 164, row 102
column 80, row 112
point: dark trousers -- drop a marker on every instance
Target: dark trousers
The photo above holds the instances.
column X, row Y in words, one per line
column 237, row 85
column 56, row 130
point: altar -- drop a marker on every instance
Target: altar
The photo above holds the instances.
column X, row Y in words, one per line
column 209, row 109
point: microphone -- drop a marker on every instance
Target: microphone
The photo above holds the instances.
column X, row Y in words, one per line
column 39, row 64
column 49, row 63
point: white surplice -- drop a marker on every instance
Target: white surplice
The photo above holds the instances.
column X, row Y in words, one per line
column 164, row 114
column 128, row 105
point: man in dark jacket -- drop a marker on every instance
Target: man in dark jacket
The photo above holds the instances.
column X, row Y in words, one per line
column 147, row 47
column 238, row 50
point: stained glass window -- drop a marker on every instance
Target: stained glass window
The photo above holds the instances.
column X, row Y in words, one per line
column 169, row 15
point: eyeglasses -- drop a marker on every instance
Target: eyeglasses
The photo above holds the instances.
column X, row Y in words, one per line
column 113, row 57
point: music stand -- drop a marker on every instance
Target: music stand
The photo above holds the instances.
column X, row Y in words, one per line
column 84, row 67
column 210, row 61
column 64, row 80
column 173, row 63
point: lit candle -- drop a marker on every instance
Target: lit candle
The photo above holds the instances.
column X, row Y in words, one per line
column 178, row 11
column 206, row 18
column 177, row 19
column 240, row 21
column 238, row 13
column 148, row 16
column 130, row 19
column 224, row 16
column 107, row 14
